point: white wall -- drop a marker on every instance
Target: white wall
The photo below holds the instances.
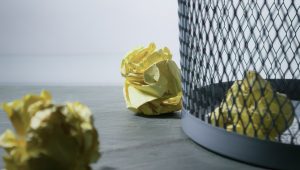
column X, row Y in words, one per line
column 79, row 41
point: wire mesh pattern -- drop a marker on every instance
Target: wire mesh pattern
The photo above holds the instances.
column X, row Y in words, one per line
column 223, row 43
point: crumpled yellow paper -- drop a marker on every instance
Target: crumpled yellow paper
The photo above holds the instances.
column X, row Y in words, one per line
column 152, row 81
column 252, row 105
column 48, row 136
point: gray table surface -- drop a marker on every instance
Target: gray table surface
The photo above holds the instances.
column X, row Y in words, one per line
column 129, row 141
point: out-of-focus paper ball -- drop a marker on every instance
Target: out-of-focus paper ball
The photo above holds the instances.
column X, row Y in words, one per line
column 48, row 136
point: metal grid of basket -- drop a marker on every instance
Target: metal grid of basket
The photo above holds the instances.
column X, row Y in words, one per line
column 240, row 62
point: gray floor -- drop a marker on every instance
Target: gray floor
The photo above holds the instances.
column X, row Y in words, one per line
column 129, row 141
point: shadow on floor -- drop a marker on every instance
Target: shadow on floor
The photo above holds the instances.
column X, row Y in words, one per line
column 107, row 168
column 173, row 115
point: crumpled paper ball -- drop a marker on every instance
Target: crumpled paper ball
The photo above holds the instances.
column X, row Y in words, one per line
column 49, row 136
column 152, row 81
column 251, row 105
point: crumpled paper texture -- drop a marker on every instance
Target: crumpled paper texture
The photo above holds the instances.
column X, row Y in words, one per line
column 152, row 81
column 251, row 105
column 49, row 136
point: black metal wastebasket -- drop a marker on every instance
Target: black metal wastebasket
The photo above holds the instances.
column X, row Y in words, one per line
column 222, row 42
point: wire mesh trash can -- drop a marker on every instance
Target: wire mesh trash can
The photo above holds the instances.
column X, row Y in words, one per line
column 241, row 78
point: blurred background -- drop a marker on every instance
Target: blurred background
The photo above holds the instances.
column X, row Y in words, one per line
column 79, row 42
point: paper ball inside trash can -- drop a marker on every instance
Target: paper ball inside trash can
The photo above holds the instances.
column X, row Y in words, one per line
column 252, row 107
column 49, row 136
